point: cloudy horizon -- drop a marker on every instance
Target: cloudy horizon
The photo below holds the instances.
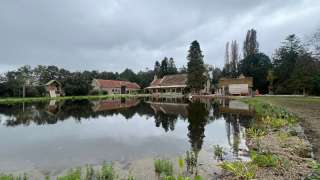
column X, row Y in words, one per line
column 117, row 34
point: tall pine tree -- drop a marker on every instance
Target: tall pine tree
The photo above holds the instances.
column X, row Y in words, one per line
column 196, row 70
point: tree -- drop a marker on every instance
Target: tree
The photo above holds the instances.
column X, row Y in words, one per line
column 157, row 68
column 315, row 44
column 196, row 70
column 284, row 62
column 216, row 75
column 303, row 74
column 164, row 67
column 172, row 69
column 250, row 45
column 316, row 84
column 257, row 66
column 128, row 75
column 234, row 56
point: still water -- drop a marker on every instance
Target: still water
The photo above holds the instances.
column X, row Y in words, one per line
column 50, row 137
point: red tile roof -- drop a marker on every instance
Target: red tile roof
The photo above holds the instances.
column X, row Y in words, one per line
column 170, row 80
column 116, row 84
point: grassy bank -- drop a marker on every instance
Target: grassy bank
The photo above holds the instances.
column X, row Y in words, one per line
column 37, row 99
column 278, row 147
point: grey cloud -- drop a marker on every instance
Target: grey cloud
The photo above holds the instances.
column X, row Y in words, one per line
column 116, row 34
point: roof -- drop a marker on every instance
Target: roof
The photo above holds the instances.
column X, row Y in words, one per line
column 176, row 80
column 240, row 80
column 116, row 84
column 52, row 81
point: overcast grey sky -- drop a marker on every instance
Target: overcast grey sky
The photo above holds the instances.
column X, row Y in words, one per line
column 113, row 35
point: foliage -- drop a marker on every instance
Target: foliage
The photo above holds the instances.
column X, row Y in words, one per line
column 256, row 66
column 264, row 159
column 285, row 62
column 250, row 45
column 73, row 174
column 216, row 75
column 240, row 169
column 255, row 132
column 107, row 172
column 97, row 92
column 196, row 70
column 163, row 167
column 12, row 177
column 316, row 84
column 231, row 60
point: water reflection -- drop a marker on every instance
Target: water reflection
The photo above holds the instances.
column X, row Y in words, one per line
column 185, row 126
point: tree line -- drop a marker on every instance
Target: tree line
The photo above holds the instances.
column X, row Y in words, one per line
column 294, row 68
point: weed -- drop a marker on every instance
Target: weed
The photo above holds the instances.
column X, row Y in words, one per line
column 240, row 169
column 163, row 167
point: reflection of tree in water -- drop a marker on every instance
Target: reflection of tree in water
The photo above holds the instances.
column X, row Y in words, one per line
column 167, row 121
column 197, row 118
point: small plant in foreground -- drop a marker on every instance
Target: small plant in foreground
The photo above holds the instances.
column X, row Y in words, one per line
column 183, row 178
column 73, row 174
column 218, row 152
column 264, row 159
column 191, row 161
column 12, row 177
column 107, row 172
column 240, row 169
column 255, row 132
column 163, row 167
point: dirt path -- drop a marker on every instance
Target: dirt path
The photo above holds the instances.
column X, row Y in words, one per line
column 308, row 110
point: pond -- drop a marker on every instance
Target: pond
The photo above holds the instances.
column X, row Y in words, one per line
column 47, row 138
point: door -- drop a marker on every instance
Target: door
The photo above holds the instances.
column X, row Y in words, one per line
column 123, row 89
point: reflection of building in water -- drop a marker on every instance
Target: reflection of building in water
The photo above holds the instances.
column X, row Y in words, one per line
column 235, row 107
column 237, row 116
column 53, row 107
column 170, row 108
column 113, row 104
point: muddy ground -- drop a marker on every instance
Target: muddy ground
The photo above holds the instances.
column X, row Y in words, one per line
column 308, row 110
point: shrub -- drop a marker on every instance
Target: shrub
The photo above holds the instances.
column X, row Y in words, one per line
column 240, row 169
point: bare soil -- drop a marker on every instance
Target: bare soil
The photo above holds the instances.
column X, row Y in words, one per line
column 308, row 110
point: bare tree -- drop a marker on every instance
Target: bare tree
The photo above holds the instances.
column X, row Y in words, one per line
column 250, row 45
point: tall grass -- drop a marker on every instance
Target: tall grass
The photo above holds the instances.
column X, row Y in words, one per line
column 163, row 167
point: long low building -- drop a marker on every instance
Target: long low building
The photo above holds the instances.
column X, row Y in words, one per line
column 176, row 83
column 115, row 86
column 235, row 86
